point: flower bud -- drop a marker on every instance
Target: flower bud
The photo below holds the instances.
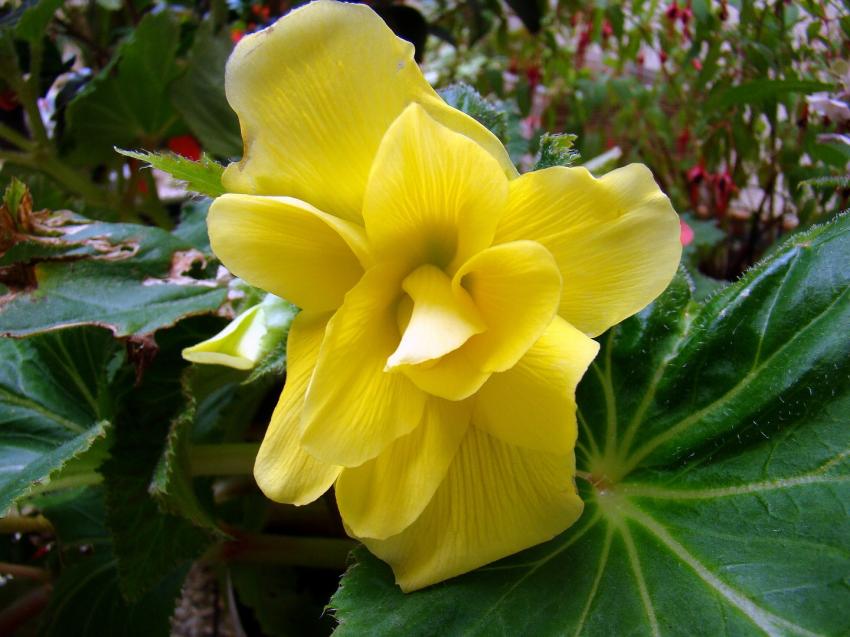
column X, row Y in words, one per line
column 248, row 338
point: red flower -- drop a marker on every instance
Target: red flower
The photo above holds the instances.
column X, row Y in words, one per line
column 185, row 145
column 724, row 187
column 695, row 176
column 261, row 11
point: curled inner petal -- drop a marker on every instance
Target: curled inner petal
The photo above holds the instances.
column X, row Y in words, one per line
column 442, row 320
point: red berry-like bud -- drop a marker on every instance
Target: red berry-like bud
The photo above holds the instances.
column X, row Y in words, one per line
column 185, row 145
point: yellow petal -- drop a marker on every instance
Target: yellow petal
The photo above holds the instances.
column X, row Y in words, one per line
column 496, row 499
column 516, row 287
column 455, row 376
column 283, row 470
column 434, row 195
column 238, row 345
column 616, row 239
column 443, row 318
column 533, row 404
column 315, row 93
column 355, row 409
column 384, row 496
column 287, row 247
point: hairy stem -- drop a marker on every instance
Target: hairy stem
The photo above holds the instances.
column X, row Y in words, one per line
column 234, row 459
column 313, row 552
column 24, row 572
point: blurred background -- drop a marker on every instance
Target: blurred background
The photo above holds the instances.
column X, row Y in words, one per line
column 739, row 108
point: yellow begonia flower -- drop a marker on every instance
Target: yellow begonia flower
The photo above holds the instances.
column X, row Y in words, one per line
column 247, row 338
column 447, row 302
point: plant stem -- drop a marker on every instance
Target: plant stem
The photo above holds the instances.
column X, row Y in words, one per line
column 23, row 609
column 235, row 459
column 313, row 552
column 24, row 572
column 94, row 194
column 25, row 524
column 14, row 137
column 584, row 475
column 46, row 162
column 69, row 482
column 28, row 91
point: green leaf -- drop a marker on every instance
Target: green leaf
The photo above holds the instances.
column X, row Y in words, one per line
column 128, row 102
column 760, row 90
column 34, row 20
column 199, row 94
column 202, row 176
column 827, row 181
column 86, row 598
column 13, row 196
column 55, row 403
column 172, row 485
column 225, row 403
column 129, row 278
column 465, row 98
column 192, row 228
column 279, row 315
column 556, row 150
column 149, row 544
column 715, row 460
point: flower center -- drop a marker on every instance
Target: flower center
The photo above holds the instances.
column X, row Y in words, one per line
column 442, row 317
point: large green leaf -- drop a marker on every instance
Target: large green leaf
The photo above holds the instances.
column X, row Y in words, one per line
column 86, row 598
column 715, row 453
column 129, row 278
column 128, row 102
column 55, row 402
column 35, row 19
column 199, row 95
column 150, row 544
